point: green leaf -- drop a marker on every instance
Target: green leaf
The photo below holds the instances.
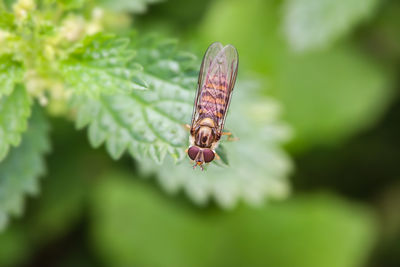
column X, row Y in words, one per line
column 221, row 151
column 258, row 167
column 102, row 65
column 165, row 65
column 71, row 4
column 19, row 172
column 150, row 122
column 14, row 246
column 6, row 19
column 7, row 4
column 332, row 94
column 131, row 6
column 284, row 234
column 14, row 112
column 63, row 195
column 11, row 73
column 317, row 23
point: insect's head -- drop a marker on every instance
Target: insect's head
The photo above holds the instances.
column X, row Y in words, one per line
column 200, row 155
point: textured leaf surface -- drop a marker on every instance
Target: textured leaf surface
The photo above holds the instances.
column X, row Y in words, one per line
column 316, row 23
column 14, row 112
column 10, row 73
column 19, row 172
column 258, row 167
column 131, row 223
column 102, row 65
column 150, row 122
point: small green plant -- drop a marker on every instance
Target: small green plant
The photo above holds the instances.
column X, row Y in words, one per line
column 132, row 93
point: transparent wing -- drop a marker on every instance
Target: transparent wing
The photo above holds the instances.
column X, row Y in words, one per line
column 228, row 72
column 211, row 53
column 216, row 81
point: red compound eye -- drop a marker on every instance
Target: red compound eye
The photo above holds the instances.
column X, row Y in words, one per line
column 192, row 152
column 208, row 155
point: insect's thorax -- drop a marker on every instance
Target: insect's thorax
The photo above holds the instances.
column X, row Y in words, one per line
column 204, row 133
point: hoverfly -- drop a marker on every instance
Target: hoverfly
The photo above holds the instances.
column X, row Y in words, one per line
column 215, row 85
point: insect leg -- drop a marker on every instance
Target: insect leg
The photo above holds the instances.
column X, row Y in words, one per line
column 230, row 136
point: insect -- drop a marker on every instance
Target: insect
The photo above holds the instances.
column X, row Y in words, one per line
column 215, row 85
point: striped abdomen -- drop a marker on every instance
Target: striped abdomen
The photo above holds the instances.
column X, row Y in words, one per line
column 214, row 98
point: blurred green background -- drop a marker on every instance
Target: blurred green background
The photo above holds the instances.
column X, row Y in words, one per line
column 332, row 65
